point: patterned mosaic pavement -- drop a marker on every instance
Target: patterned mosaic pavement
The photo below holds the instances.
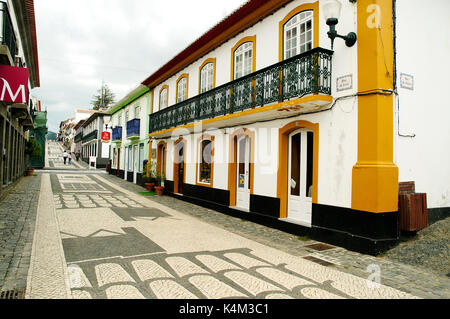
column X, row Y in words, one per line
column 116, row 244
column 95, row 239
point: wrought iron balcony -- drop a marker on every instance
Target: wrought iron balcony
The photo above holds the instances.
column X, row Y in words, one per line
column 117, row 133
column 7, row 36
column 91, row 136
column 78, row 137
column 134, row 128
column 305, row 74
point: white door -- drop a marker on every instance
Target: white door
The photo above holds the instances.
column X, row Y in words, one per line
column 243, row 173
column 125, row 163
column 135, row 163
column 300, row 176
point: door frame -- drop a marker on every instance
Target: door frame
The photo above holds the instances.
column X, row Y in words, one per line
column 232, row 160
column 302, row 198
column 176, row 179
column 283, row 161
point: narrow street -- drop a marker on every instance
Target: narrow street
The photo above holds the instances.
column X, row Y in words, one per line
column 97, row 237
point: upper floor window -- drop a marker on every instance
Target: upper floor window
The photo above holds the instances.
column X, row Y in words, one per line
column 119, row 121
column 137, row 112
column 298, row 34
column 163, row 98
column 127, row 116
column 207, row 77
column 182, row 84
column 243, row 60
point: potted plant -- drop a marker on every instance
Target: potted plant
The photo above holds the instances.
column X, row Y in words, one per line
column 160, row 178
column 149, row 177
column 32, row 149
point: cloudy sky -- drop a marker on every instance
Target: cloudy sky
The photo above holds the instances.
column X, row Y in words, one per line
column 82, row 43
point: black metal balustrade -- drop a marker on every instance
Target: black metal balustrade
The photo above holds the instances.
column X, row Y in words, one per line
column 78, row 137
column 91, row 136
column 7, row 36
column 306, row 73
column 134, row 128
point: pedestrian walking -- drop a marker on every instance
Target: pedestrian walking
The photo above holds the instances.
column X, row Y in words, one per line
column 70, row 158
column 65, row 155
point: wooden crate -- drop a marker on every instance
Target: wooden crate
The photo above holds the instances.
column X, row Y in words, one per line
column 413, row 211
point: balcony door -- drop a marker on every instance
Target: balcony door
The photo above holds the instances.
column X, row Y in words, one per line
column 300, row 176
column 243, row 172
column 179, row 166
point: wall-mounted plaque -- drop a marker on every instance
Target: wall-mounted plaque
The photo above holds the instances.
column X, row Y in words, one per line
column 406, row 81
column 344, row 83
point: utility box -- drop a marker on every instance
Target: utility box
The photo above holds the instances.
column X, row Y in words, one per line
column 412, row 208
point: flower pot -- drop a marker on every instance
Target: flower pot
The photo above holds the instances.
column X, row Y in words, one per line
column 30, row 171
column 159, row 190
column 149, row 186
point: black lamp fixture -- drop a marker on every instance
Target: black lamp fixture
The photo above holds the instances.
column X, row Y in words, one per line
column 332, row 12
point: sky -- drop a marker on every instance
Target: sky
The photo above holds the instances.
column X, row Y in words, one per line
column 82, row 43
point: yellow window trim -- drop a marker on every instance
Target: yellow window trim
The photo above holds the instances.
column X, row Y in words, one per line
column 175, row 164
column 304, row 7
column 199, row 140
column 210, row 60
column 182, row 76
column 251, row 39
column 161, row 146
column 159, row 96
column 283, row 161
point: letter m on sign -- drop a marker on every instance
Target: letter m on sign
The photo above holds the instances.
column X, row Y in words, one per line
column 13, row 84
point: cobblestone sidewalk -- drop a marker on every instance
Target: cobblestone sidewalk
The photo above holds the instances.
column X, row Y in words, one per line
column 394, row 273
column 17, row 221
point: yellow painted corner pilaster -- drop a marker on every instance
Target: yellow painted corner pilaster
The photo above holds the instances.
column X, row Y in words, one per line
column 375, row 176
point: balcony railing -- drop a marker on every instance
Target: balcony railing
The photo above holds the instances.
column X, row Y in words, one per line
column 134, row 128
column 91, row 136
column 7, row 36
column 306, row 73
column 78, row 137
column 117, row 133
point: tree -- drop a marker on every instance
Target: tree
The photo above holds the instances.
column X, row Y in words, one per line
column 104, row 98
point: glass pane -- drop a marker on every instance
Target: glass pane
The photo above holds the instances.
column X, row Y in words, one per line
column 309, row 163
column 241, row 163
column 295, row 164
column 205, row 164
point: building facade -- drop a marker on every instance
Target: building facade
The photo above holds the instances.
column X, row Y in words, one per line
column 19, row 71
column 130, row 140
column 92, row 147
column 265, row 118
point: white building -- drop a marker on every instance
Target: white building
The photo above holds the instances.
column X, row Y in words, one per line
column 130, row 140
column 262, row 118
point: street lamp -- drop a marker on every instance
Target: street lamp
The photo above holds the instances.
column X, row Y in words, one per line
column 332, row 13
column 106, row 120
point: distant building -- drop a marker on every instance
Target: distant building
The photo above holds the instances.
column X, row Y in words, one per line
column 92, row 148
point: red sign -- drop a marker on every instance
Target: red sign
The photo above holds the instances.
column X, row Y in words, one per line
column 106, row 136
column 13, row 84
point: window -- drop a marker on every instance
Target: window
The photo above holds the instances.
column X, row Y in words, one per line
column 182, row 88
column 243, row 60
column 163, row 97
column 298, row 34
column 207, row 77
column 137, row 112
column 141, row 157
column 205, row 160
column 127, row 116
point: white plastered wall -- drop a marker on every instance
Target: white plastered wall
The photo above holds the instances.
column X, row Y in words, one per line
column 423, row 44
column 337, row 127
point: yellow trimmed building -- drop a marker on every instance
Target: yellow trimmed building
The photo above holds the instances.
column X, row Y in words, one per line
column 287, row 113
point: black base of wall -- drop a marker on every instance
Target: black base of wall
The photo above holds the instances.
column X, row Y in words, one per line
column 359, row 231
column 437, row 214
